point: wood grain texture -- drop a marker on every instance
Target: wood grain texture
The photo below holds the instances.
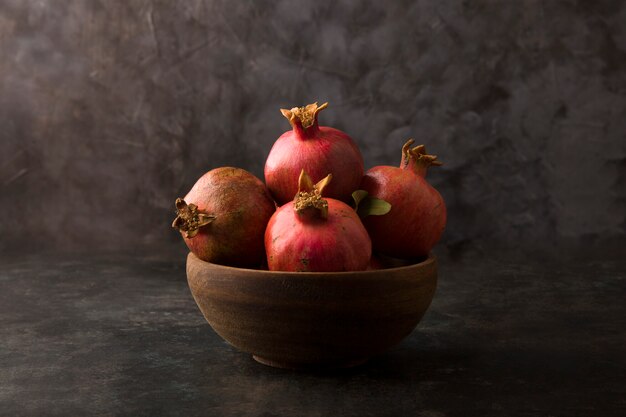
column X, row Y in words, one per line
column 312, row 320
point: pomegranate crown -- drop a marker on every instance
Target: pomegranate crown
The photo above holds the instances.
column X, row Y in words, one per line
column 306, row 116
column 309, row 195
column 189, row 219
column 417, row 159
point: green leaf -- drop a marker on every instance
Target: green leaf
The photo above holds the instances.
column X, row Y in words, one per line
column 372, row 206
column 358, row 196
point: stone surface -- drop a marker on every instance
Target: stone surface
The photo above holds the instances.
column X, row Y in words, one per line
column 109, row 110
column 507, row 335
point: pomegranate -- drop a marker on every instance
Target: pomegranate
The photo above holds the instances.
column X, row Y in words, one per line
column 418, row 213
column 375, row 263
column 223, row 217
column 318, row 150
column 315, row 234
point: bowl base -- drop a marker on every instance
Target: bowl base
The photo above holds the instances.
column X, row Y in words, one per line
column 308, row 366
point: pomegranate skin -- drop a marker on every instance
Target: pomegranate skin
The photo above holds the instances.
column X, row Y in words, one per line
column 375, row 263
column 319, row 150
column 418, row 213
column 299, row 243
column 242, row 207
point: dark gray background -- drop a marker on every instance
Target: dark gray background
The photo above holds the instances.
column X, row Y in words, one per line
column 110, row 110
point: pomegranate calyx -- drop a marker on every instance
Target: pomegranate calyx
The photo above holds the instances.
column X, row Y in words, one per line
column 306, row 202
column 323, row 183
column 305, row 183
column 417, row 159
column 189, row 219
column 306, row 116
column 309, row 197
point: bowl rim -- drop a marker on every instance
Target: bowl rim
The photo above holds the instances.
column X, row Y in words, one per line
column 427, row 262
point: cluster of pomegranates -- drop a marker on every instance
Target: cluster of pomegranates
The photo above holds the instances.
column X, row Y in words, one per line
column 318, row 211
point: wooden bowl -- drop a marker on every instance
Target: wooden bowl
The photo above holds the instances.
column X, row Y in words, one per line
column 304, row 320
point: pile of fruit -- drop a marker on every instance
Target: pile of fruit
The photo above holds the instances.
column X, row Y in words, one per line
column 317, row 211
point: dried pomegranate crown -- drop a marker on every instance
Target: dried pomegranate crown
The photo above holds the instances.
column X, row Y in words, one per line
column 189, row 219
column 417, row 159
column 310, row 195
column 305, row 115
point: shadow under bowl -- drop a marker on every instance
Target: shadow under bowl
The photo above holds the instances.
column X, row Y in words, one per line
column 312, row 320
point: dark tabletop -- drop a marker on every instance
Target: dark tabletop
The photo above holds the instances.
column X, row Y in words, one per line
column 121, row 335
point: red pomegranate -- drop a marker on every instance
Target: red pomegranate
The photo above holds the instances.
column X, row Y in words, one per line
column 375, row 263
column 315, row 234
column 418, row 213
column 318, row 150
column 223, row 217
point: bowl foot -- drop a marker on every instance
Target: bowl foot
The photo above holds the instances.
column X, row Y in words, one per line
column 308, row 366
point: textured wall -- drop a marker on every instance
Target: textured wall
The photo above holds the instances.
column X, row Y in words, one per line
column 109, row 110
